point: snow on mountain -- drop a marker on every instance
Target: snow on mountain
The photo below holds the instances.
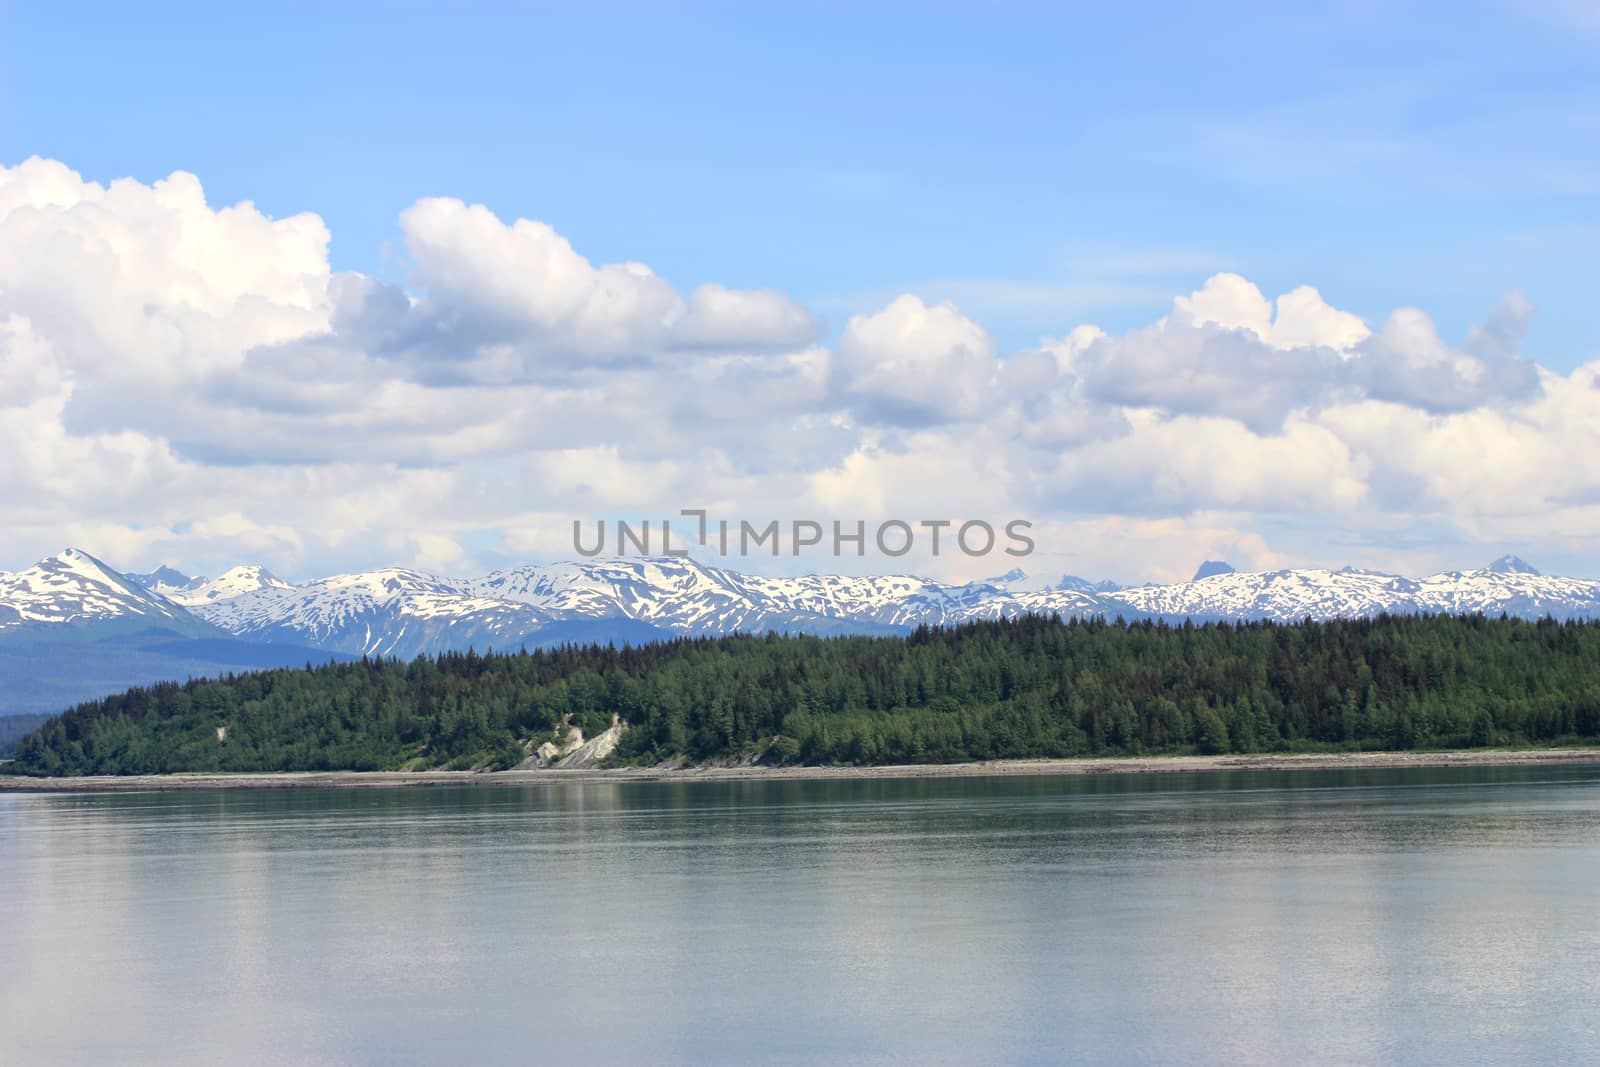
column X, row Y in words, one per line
column 389, row 612
column 75, row 589
column 231, row 583
column 1014, row 576
column 1283, row 595
column 165, row 581
column 1523, row 591
column 683, row 595
column 1508, row 586
column 1072, row 583
column 674, row 592
column 894, row 601
column 73, row 629
column 398, row 612
column 193, row 592
column 1064, row 602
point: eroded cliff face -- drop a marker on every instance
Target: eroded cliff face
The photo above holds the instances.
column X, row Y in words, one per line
column 575, row 751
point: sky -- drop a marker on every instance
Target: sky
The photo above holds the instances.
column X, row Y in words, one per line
column 1172, row 282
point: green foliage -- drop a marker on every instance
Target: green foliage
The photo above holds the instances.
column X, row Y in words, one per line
column 594, row 722
column 14, row 727
column 1006, row 689
column 781, row 750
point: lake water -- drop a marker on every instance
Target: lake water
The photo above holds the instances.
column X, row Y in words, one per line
column 1441, row 917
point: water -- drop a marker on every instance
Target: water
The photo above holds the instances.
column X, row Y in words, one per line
column 1448, row 917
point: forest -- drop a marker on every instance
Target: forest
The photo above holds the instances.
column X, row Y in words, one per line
column 1005, row 689
column 13, row 727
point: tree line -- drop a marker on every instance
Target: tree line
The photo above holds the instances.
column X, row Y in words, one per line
column 1005, row 689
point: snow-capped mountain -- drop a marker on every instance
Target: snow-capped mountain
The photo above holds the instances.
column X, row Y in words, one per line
column 1073, row 583
column 167, row 625
column 399, row 612
column 1508, row 585
column 76, row 590
column 683, row 595
column 74, row 629
column 1516, row 589
column 193, row 592
column 389, row 612
column 166, row 581
column 1285, row 595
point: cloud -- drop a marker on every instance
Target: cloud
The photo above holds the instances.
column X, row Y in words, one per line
column 1177, row 466
column 1304, row 320
column 430, row 553
column 491, row 281
column 912, row 364
column 1406, row 362
column 1208, row 370
column 724, row 319
column 1299, row 318
column 1167, row 548
column 1227, row 350
column 521, row 286
column 28, row 369
column 1053, row 408
column 192, row 383
column 1534, row 458
column 132, row 281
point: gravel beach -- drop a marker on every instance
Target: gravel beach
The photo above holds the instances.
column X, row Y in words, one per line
column 555, row 775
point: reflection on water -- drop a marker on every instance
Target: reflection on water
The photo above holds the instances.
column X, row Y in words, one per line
column 1447, row 916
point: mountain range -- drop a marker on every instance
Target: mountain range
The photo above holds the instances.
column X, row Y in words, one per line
column 72, row 628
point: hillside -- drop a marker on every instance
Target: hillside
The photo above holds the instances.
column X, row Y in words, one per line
column 74, row 629
column 1026, row 687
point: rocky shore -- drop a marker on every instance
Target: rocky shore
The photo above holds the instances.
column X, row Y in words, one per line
column 667, row 773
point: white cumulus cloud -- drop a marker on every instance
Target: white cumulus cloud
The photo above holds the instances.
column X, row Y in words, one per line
column 192, row 382
column 911, row 363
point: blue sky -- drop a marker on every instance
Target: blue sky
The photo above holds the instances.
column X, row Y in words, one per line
column 953, row 260
column 1040, row 164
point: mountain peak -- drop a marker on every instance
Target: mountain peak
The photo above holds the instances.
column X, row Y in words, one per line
column 250, row 572
column 1073, row 584
column 235, row 581
column 1509, row 564
column 399, row 612
column 165, row 579
column 77, row 561
column 167, row 576
column 74, row 588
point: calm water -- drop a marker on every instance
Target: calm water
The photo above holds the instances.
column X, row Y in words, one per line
column 1373, row 917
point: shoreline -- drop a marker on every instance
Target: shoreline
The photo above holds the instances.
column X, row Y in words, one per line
column 992, row 768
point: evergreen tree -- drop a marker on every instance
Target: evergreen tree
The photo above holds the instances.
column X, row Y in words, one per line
column 1014, row 688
